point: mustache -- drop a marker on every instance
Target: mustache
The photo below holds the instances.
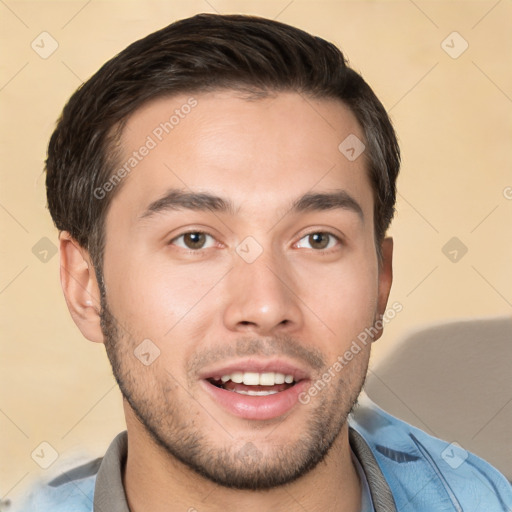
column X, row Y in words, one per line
column 270, row 346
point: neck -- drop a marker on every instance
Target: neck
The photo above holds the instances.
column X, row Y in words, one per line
column 156, row 481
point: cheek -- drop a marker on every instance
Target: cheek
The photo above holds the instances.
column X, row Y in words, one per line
column 156, row 299
column 344, row 297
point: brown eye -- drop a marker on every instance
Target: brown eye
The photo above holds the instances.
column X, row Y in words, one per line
column 194, row 240
column 319, row 241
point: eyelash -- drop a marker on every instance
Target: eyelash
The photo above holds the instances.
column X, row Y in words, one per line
column 329, row 234
column 198, row 231
column 195, row 231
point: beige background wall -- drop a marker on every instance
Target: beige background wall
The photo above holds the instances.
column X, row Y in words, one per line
column 453, row 117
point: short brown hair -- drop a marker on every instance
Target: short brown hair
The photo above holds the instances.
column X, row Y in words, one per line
column 199, row 54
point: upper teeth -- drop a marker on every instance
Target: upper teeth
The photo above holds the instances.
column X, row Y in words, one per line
column 258, row 379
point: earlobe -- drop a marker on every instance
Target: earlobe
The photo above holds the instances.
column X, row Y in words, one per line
column 80, row 287
column 385, row 281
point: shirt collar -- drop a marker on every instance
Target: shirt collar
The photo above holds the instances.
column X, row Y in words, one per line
column 109, row 495
column 380, row 491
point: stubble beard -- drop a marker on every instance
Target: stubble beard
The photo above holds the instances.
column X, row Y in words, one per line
column 239, row 465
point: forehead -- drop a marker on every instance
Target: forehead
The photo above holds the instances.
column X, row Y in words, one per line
column 266, row 151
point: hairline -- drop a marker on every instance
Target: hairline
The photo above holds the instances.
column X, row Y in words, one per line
column 113, row 147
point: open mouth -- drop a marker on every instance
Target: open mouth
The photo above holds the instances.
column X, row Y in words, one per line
column 262, row 390
column 253, row 383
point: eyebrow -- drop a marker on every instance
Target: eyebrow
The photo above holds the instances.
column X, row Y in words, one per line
column 176, row 199
column 339, row 199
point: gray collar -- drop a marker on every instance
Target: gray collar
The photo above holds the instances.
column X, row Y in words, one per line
column 109, row 495
column 382, row 497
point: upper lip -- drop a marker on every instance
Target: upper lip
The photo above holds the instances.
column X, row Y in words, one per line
column 256, row 366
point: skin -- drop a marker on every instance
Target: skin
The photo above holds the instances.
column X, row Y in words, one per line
column 297, row 301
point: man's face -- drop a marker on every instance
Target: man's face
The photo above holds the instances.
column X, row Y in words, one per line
column 271, row 282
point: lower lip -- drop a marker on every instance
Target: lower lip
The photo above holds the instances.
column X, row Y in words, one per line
column 256, row 407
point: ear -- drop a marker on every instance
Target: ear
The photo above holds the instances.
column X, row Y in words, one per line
column 385, row 281
column 80, row 287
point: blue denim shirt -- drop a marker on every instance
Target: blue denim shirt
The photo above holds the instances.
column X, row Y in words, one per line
column 407, row 470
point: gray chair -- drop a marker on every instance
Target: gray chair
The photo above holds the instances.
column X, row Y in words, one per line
column 454, row 381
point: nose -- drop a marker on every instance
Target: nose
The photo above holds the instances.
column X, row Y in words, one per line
column 261, row 298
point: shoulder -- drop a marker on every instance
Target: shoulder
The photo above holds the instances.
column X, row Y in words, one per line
column 427, row 473
column 71, row 491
